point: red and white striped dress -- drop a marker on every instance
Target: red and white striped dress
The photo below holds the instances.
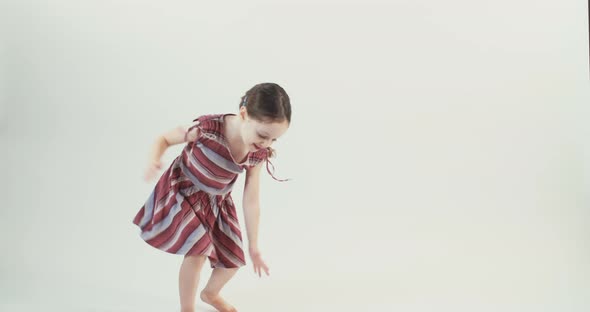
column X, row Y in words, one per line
column 191, row 211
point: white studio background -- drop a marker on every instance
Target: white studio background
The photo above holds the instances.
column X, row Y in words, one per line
column 439, row 150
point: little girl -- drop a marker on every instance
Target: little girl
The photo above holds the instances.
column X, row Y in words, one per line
column 190, row 212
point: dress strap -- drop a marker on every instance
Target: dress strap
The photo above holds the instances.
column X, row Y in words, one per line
column 269, row 163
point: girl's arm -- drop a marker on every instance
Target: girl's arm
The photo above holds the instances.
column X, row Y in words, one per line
column 172, row 137
column 169, row 138
column 251, row 203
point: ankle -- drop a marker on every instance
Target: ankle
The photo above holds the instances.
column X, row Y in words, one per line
column 187, row 309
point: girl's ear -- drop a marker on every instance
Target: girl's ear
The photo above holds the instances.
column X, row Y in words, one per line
column 243, row 113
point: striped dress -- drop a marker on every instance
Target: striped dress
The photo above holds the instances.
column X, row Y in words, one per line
column 191, row 211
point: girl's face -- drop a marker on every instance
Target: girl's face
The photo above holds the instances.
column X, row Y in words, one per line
column 258, row 134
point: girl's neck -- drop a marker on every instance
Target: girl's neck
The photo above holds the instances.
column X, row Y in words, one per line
column 232, row 131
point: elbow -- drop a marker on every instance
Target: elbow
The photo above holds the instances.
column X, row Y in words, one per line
column 161, row 140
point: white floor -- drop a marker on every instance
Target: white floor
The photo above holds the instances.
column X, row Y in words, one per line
column 372, row 294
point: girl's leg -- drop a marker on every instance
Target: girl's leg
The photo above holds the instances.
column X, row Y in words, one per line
column 210, row 294
column 188, row 280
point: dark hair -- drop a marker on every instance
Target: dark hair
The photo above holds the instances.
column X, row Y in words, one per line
column 267, row 102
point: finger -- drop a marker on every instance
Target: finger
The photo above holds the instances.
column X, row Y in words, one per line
column 266, row 270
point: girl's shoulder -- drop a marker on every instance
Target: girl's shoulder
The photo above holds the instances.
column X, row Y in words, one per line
column 257, row 157
column 210, row 117
column 210, row 122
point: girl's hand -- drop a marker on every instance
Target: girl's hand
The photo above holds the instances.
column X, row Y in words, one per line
column 258, row 263
column 152, row 170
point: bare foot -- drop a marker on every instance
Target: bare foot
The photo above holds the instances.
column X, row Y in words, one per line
column 217, row 302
